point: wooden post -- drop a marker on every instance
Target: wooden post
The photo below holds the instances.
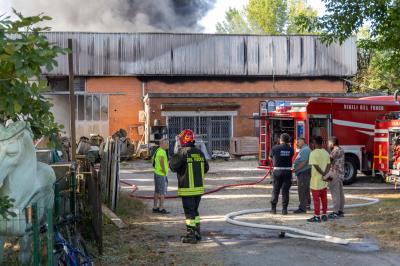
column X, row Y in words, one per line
column 72, row 99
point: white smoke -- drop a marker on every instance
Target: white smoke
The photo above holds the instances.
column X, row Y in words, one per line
column 119, row 15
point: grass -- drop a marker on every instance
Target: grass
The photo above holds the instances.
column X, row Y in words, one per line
column 129, row 207
column 382, row 220
column 135, row 244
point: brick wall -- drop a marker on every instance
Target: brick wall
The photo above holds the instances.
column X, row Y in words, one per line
column 123, row 109
column 243, row 125
column 257, row 86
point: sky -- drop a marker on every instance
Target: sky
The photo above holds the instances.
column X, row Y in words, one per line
column 218, row 13
column 209, row 21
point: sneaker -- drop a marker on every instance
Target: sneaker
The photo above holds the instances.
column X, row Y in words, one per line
column 163, row 211
column 340, row 214
column 314, row 219
column 324, row 218
column 333, row 215
column 156, row 210
column 273, row 210
column 284, row 212
column 298, row 211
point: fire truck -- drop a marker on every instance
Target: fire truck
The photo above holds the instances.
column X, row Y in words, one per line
column 352, row 121
column 386, row 160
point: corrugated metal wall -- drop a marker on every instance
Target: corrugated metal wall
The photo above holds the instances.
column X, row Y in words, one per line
column 101, row 54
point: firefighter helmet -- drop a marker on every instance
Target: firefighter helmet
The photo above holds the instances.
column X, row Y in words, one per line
column 186, row 136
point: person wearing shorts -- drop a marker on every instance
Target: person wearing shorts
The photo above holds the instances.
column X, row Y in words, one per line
column 160, row 162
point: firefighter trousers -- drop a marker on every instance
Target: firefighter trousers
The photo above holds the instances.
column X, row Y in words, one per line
column 191, row 208
column 282, row 180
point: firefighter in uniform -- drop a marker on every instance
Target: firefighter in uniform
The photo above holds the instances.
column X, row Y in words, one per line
column 190, row 165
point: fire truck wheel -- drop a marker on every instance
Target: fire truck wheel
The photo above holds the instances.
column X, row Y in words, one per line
column 350, row 170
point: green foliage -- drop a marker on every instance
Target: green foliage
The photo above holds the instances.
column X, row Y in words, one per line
column 345, row 18
column 268, row 17
column 235, row 22
column 297, row 9
column 23, row 53
column 5, row 204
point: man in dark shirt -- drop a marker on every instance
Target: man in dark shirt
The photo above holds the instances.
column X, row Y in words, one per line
column 281, row 156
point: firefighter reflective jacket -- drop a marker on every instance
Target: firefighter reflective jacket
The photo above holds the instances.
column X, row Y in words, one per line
column 190, row 165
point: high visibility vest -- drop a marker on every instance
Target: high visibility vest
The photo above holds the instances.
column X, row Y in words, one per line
column 157, row 165
column 192, row 168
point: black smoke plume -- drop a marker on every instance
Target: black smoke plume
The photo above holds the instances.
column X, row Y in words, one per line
column 120, row 15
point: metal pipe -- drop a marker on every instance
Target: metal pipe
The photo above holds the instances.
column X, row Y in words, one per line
column 396, row 93
column 36, row 239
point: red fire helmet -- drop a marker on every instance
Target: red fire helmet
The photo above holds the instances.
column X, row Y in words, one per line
column 186, row 136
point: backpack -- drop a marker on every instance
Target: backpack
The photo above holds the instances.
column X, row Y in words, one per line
column 153, row 153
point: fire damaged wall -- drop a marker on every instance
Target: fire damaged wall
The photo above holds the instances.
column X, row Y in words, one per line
column 160, row 54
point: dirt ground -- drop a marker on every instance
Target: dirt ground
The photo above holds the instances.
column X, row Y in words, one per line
column 152, row 239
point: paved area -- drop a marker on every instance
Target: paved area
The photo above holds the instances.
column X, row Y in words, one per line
column 226, row 244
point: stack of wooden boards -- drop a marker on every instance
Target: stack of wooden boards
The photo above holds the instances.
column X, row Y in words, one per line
column 243, row 146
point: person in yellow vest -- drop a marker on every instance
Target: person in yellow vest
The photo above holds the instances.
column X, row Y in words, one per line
column 160, row 164
column 190, row 165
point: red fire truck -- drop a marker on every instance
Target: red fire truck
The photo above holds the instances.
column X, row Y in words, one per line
column 351, row 120
column 387, row 146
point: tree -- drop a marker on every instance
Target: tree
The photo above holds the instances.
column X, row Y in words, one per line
column 298, row 8
column 23, row 53
column 345, row 18
column 235, row 22
column 267, row 17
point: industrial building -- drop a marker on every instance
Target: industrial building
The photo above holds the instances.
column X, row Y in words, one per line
column 210, row 83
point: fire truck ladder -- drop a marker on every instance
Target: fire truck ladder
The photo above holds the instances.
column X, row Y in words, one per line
column 263, row 139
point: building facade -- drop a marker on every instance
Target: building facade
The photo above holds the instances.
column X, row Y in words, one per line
column 210, row 83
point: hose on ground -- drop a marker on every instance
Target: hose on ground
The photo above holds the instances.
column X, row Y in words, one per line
column 285, row 230
column 295, row 232
column 134, row 188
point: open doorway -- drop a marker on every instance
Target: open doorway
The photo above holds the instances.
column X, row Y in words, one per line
column 320, row 126
column 279, row 126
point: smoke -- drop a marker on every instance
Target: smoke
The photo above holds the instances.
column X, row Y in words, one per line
column 119, row 15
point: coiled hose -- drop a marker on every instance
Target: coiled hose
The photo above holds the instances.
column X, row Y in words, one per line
column 295, row 232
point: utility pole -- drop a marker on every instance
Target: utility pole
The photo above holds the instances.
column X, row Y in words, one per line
column 72, row 99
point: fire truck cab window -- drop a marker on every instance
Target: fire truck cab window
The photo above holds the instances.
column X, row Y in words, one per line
column 279, row 126
column 319, row 127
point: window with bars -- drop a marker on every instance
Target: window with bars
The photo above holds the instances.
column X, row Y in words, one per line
column 215, row 131
column 92, row 107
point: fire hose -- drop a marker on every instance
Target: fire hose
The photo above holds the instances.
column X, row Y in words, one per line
column 134, row 188
column 295, row 232
column 285, row 230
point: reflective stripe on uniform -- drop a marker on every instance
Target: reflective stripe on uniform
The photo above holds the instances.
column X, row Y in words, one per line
column 190, row 222
column 197, row 220
column 190, row 173
column 190, row 191
column 202, row 170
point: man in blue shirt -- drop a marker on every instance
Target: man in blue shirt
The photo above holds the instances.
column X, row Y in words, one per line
column 303, row 172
